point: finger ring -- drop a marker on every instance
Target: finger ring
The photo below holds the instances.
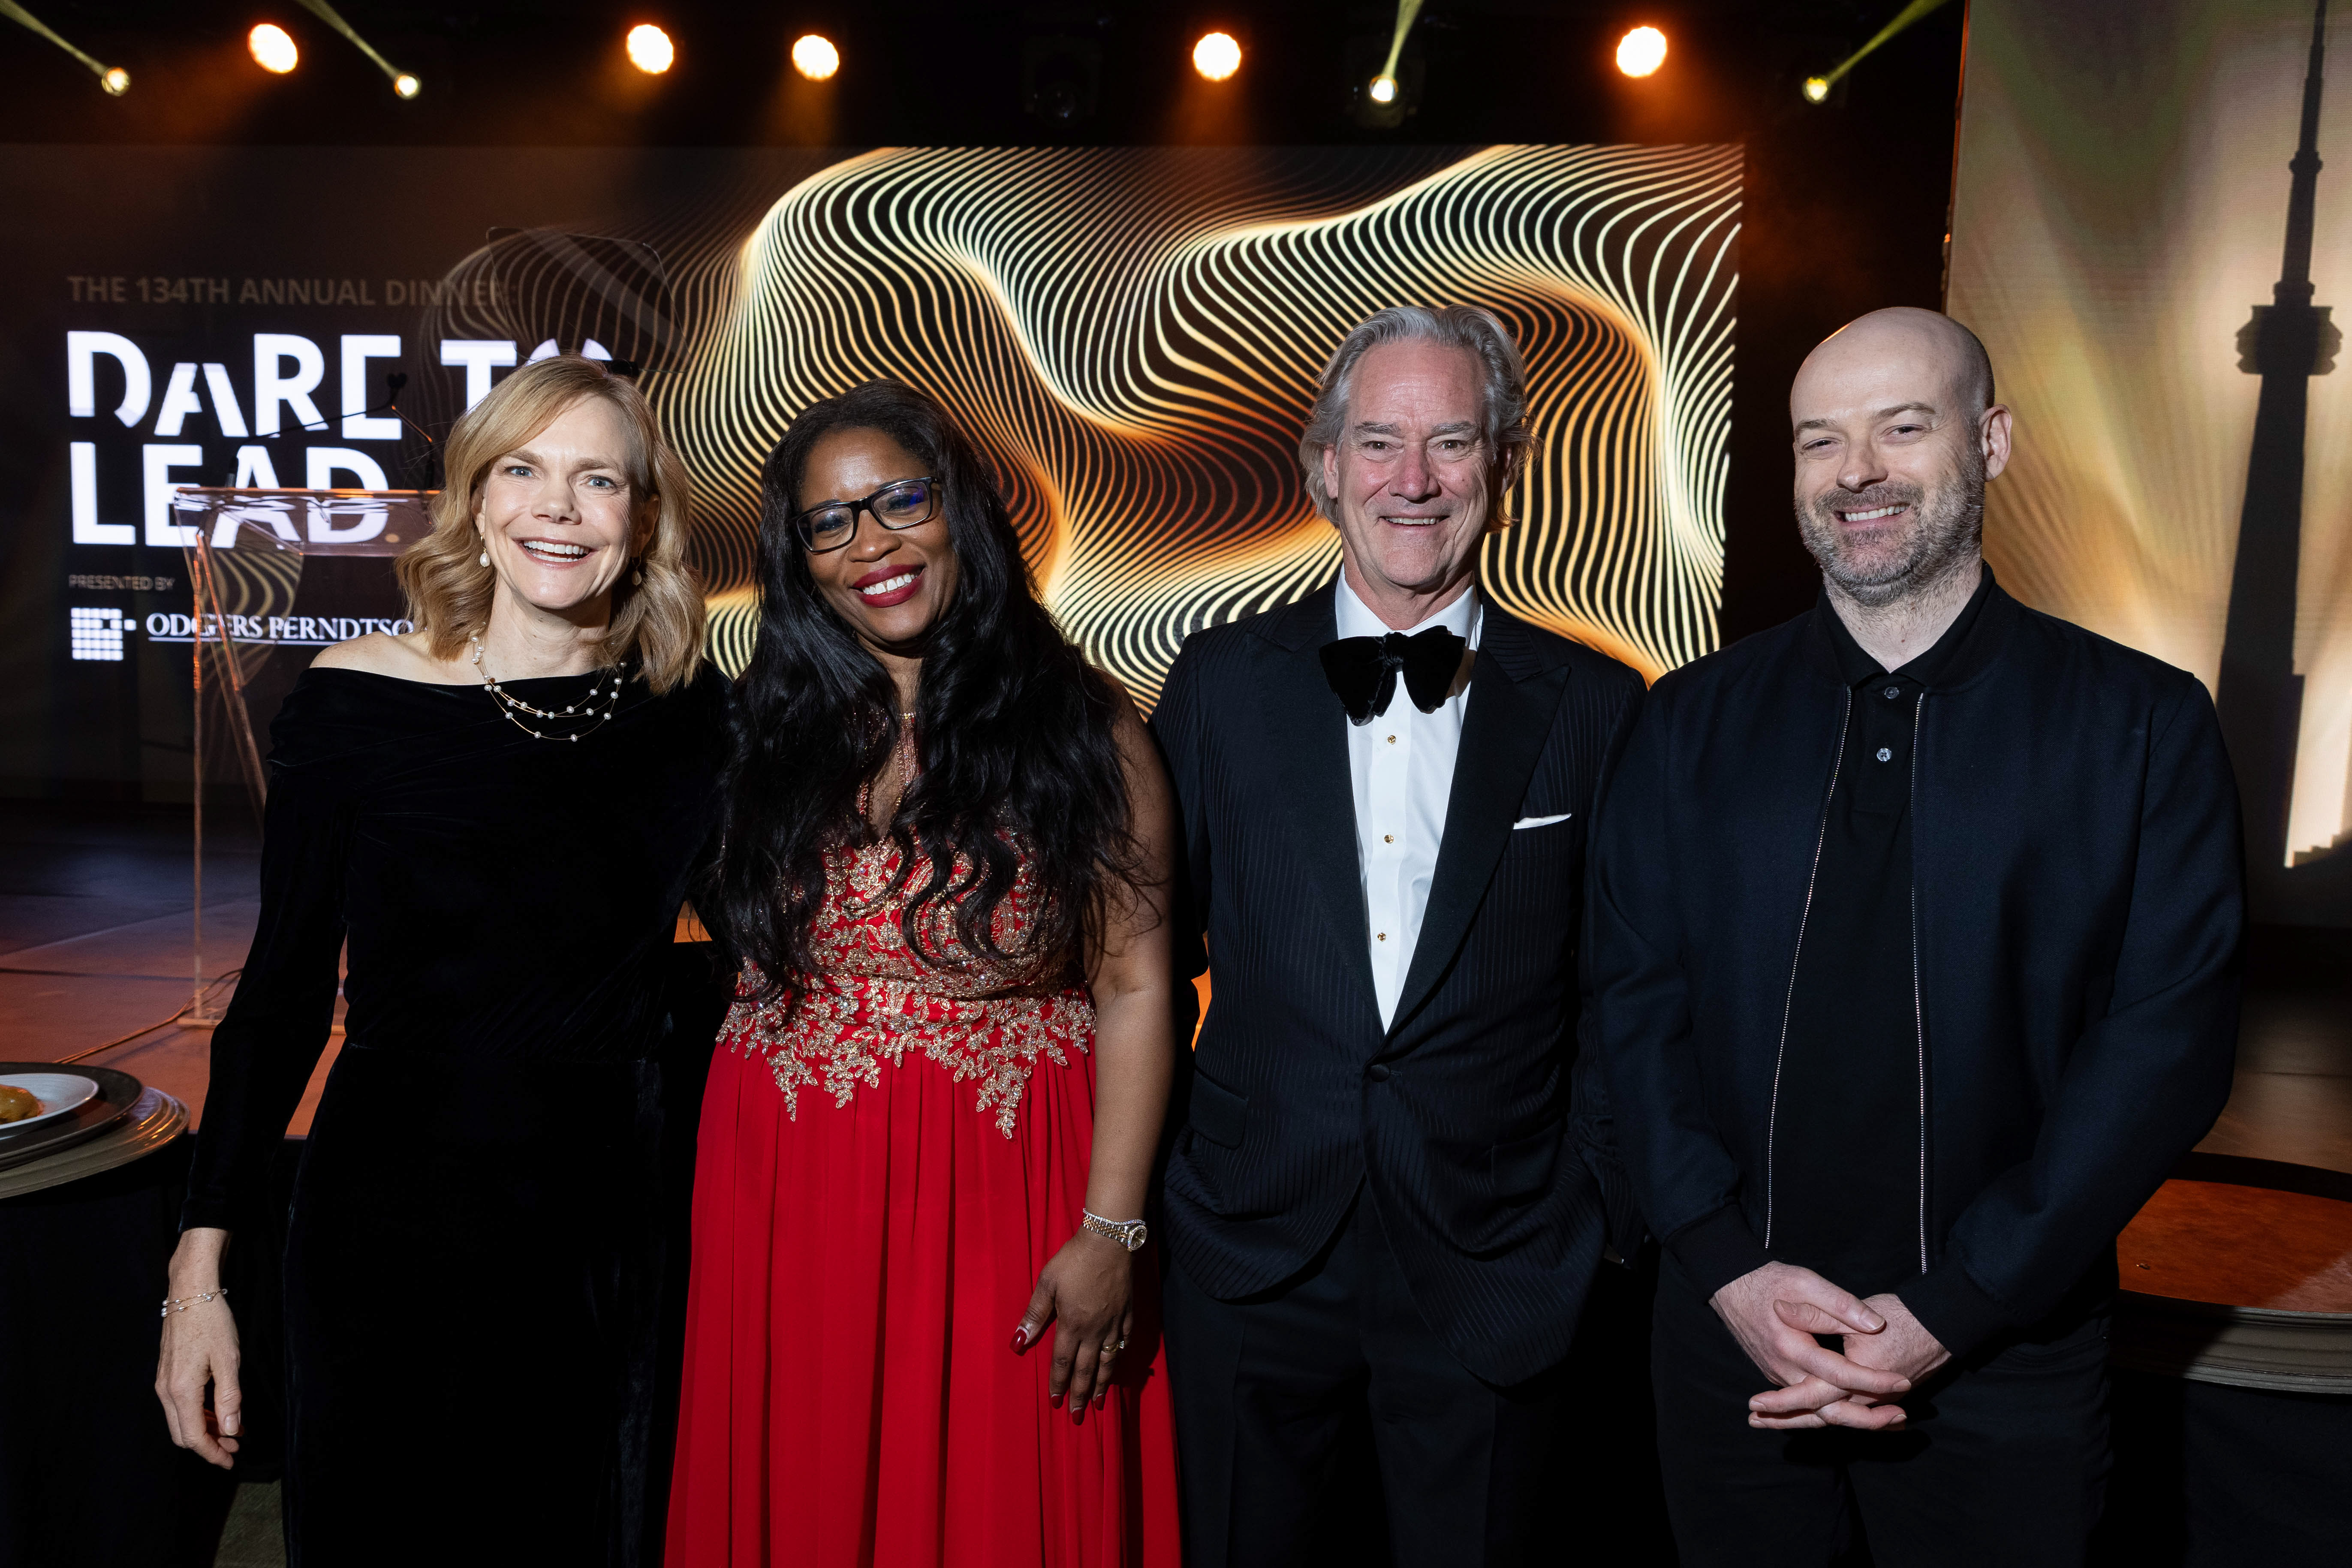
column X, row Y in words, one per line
column 1111, row 1351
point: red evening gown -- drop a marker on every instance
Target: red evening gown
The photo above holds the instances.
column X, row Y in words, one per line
column 888, row 1156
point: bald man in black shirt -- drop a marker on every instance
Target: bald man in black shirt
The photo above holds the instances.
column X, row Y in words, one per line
column 1915, row 957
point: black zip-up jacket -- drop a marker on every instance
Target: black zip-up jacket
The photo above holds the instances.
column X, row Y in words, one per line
column 2078, row 915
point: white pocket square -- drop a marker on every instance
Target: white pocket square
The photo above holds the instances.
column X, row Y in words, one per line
column 1540, row 821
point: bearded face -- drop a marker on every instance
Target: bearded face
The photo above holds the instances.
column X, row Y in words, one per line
column 1889, row 538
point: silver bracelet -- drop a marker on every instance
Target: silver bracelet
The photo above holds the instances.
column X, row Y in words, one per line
column 1126, row 1233
column 181, row 1303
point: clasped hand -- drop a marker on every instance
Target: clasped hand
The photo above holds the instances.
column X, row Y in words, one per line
column 1775, row 1312
column 1086, row 1290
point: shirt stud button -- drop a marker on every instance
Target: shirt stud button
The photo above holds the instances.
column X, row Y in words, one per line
column 1392, row 740
column 1380, row 936
column 1388, row 837
column 1886, row 754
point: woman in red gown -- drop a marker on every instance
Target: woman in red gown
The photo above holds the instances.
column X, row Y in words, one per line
column 922, row 1324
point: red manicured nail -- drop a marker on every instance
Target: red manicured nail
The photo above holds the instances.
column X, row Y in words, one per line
column 1020, row 1339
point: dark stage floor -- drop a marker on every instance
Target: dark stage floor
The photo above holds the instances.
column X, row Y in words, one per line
column 96, row 937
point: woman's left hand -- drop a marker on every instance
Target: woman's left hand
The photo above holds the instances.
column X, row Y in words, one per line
column 1087, row 1292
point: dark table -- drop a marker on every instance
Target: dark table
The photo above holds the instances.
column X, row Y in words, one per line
column 87, row 1471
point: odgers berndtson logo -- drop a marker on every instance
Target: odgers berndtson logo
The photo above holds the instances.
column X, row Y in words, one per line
column 98, row 633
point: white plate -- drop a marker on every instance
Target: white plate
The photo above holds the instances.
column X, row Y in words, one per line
column 58, row 1093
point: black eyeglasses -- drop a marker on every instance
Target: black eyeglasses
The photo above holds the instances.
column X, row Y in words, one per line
column 903, row 503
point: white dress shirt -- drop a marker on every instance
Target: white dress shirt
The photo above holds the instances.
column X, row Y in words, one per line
column 1401, row 764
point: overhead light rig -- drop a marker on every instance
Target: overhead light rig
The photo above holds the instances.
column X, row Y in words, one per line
column 1063, row 58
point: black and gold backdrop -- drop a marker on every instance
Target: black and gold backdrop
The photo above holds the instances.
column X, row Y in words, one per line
column 1133, row 334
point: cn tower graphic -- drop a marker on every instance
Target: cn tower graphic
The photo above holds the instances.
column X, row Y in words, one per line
column 2259, row 694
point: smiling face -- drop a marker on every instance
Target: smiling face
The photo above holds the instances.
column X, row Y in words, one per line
column 1894, row 445
column 558, row 514
column 1412, row 478
column 888, row 585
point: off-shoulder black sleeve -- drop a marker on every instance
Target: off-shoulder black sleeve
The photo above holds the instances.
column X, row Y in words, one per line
column 267, row 1047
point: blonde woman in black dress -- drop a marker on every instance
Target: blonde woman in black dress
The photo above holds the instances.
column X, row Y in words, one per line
column 500, row 812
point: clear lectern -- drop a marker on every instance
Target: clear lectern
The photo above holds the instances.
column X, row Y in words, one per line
column 252, row 626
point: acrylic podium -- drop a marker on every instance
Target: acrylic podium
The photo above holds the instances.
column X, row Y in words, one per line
column 252, row 628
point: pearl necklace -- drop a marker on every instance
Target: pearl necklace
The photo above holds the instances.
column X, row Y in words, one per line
column 584, row 710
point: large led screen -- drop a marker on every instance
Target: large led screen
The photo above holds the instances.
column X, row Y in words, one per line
column 2152, row 223
column 1132, row 334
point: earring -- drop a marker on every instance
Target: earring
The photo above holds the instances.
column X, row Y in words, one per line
column 484, row 560
column 637, row 579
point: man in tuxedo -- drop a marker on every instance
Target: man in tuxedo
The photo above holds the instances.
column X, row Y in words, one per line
column 1382, row 1203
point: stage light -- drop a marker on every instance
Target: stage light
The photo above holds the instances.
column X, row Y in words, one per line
column 1641, row 51
column 1816, row 88
column 650, row 49
column 114, row 79
column 1385, row 113
column 272, row 48
column 405, row 85
column 815, row 56
column 1216, row 57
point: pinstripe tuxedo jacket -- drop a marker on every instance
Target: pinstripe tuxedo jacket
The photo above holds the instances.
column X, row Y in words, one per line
column 1492, row 1178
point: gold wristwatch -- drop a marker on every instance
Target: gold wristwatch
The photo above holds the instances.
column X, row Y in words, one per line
column 1128, row 1233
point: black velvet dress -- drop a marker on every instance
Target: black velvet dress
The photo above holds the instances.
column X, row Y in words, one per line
column 476, row 1254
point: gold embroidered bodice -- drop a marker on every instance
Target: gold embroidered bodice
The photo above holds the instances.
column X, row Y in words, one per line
column 872, row 999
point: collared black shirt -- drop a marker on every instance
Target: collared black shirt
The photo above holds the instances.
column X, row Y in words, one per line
column 1850, row 1130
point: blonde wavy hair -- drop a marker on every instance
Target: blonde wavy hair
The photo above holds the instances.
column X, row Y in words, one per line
column 659, row 619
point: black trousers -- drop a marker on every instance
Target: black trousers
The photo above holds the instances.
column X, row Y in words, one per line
column 2003, row 1458
column 1267, row 1390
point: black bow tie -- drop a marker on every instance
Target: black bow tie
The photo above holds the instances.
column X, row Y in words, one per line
column 1363, row 670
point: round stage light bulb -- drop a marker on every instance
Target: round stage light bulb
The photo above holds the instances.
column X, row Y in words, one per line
column 1384, row 89
column 273, row 48
column 1641, row 51
column 1216, row 56
column 815, row 56
column 117, row 82
column 650, row 49
column 1816, row 88
column 406, row 85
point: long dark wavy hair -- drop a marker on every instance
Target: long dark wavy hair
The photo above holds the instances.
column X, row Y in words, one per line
column 1016, row 731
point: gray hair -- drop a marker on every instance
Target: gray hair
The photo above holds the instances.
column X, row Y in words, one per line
column 1504, row 400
